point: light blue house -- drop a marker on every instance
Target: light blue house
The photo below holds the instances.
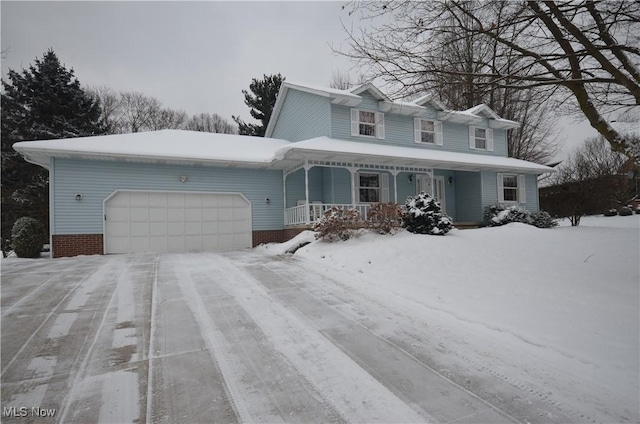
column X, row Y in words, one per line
column 173, row 191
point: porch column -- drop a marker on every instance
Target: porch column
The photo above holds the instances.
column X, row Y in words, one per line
column 306, row 193
column 284, row 192
column 395, row 185
column 353, row 185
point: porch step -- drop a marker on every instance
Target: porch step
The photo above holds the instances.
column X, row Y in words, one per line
column 467, row 225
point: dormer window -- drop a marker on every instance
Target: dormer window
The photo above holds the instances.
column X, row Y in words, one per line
column 427, row 131
column 481, row 139
column 366, row 123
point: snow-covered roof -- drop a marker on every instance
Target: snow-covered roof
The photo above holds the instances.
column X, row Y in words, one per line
column 325, row 148
column 200, row 148
column 167, row 146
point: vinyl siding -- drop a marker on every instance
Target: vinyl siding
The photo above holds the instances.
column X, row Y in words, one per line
column 303, row 116
column 468, row 196
column 295, row 186
column 399, row 130
column 406, row 188
column 490, row 191
column 96, row 180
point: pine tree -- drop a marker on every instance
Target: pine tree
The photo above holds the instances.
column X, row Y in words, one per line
column 42, row 102
column 261, row 101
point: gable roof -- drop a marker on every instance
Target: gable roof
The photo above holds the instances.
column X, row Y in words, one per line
column 352, row 97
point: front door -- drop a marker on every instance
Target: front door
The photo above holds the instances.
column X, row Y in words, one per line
column 433, row 187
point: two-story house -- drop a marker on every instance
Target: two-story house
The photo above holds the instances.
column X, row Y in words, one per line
column 174, row 191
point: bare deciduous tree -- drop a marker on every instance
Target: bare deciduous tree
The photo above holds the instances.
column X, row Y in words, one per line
column 584, row 53
column 210, row 123
column 588, row 182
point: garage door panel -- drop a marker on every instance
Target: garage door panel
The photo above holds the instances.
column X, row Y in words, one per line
column 140, row 244
column 157, row 229
column 138, row 214
column 175, row 200
column 176, row 222
column 193, row 200
column 175, row 228
column 225, row 215
column 139, row 199
column 209, row 215
column 158, row 200
column 157, row 214
column 193, row 215
column 209, row 228
column 192, row 228
column 159, row 244
column 118, row 214
column 139, row 229
column 175, row 215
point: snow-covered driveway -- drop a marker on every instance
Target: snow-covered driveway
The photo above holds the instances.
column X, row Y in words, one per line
column 236, row 337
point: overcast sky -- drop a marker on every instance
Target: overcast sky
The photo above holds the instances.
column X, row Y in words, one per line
column 194, row 56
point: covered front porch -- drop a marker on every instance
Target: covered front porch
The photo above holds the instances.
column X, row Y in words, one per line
column 314, row 186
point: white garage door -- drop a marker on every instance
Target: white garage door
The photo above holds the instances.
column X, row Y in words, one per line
column 156, row 221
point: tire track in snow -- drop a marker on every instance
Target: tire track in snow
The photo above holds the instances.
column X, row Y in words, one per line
column 528, row 389
column 351, row 390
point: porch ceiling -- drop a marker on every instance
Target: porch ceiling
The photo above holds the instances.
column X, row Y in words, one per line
column 328, row 149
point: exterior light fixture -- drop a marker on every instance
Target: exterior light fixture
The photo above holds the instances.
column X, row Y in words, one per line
column 410, row 178
column 450, row 180
column 78, row 197
column 183, row 178
column 267, row 200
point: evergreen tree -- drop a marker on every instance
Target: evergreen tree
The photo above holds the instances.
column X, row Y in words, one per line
column 42, row 102
column 261, row 101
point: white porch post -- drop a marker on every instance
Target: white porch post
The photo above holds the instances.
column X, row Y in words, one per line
column 353, row 185
column 284, row 192
column 306, row 192
column 394, row 172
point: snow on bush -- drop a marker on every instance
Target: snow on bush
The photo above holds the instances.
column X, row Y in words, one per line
column 339, row 224
column 496, row 215
column 422, row 215
column 611, row 212
column 27, row 235
column 625, row 211
column 384, row 218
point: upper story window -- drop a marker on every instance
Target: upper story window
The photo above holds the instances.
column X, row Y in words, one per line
column 481, row 138
column 511, row 188
column 366, row 123
column 427, row 131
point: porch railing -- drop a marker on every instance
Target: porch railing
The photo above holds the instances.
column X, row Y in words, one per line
column 301, row 214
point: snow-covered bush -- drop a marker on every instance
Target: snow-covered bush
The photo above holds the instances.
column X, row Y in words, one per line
column 384, row 218
column 611, row 212
column 498, row 214
column 638, row 210
column 338, row 224
column 625, row 211
column 422, row 215
column 543, row 219
column 28, row 236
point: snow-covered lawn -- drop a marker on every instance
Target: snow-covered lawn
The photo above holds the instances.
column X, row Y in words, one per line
column 556, row 307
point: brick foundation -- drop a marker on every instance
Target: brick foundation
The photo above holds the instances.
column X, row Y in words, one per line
column 267, row 236
column 77, row 244
column 289, row 233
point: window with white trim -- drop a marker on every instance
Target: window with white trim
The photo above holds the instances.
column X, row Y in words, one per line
column 366, row 123
column 427, row 131
column 481, row 138
column 511, row 188
column 373, row 188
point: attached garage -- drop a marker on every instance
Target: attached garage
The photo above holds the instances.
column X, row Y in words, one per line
column 172, row 221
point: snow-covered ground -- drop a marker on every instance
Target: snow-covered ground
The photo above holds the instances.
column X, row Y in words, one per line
column 556, row 309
